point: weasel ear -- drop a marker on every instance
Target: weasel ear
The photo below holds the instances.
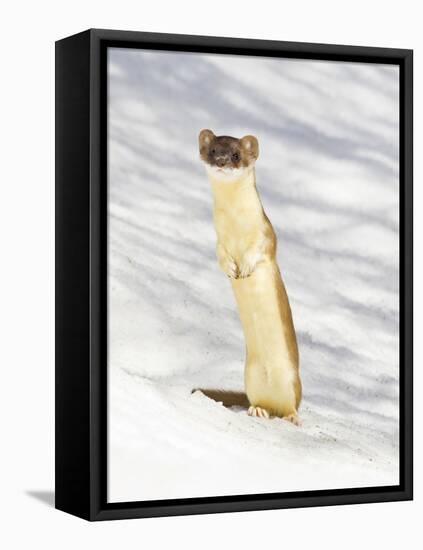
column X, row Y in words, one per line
column 205, row 138
column 250, row 146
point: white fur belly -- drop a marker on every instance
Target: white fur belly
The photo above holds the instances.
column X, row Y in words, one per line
column 271, row 369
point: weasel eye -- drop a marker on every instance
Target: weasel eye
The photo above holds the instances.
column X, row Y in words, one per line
column 213, row 151
column 235, row 157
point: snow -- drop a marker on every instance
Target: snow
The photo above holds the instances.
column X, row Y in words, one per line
column 328, row 178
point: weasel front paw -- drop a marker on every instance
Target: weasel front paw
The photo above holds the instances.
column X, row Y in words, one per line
column 248, row 265
column 246, row 270
column 230, row 268
column 258, row 411
column 227, row 263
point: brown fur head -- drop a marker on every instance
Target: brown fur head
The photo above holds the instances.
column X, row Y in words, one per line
column 225, row 155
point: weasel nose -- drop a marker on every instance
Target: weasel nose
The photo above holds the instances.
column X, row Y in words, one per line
column 220, row 161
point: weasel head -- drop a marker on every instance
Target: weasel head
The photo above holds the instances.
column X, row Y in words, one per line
column 227, row 159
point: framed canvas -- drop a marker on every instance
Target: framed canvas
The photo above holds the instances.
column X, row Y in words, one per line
column 233, row 274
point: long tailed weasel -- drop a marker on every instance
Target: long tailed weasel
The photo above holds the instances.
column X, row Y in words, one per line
column 246, row 251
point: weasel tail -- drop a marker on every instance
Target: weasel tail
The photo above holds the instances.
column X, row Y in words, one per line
column 246, row 251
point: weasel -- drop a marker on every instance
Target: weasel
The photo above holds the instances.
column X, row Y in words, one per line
column 246, row 252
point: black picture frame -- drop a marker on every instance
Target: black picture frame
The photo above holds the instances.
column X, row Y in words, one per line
column 81, row 274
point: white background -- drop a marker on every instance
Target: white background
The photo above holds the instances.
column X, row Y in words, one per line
column 29, row 30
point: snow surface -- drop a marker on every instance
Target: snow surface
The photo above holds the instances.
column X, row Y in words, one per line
column 328, row 178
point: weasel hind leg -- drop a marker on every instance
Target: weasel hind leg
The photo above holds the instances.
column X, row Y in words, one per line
column 258, row 411
column 263, row 413
column 293, row 418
